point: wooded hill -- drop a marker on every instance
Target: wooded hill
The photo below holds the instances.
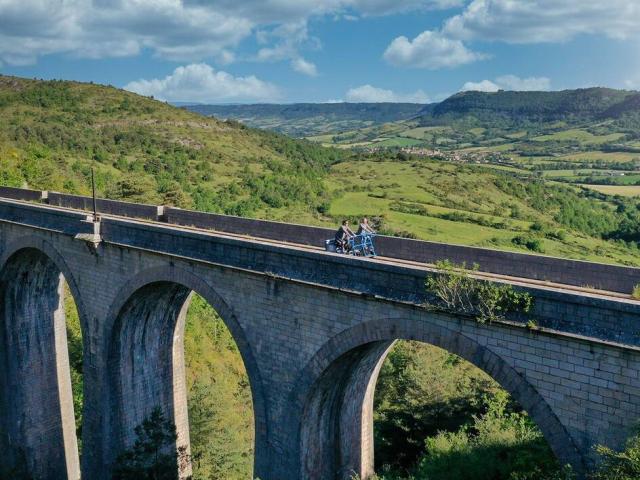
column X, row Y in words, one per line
column 588, row 104
column 52, row 133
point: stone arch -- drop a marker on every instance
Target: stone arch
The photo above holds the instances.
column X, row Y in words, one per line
column 335, row 395
column 36, row 402
column 160, row 296
column 38, row 243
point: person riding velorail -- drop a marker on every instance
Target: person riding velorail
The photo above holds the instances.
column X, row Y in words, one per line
column 364, row 227
column 343, row 235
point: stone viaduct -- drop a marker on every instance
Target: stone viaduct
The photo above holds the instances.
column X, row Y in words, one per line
column 313, row 329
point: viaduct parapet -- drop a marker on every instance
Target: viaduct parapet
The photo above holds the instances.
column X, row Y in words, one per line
column 313, row 329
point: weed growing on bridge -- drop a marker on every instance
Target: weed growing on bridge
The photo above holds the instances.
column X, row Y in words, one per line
column 456, row 290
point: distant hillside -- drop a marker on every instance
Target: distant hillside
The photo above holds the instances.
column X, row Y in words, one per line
column 630, row 105
column 568, row 105
column 503, row 108
column 306, row 119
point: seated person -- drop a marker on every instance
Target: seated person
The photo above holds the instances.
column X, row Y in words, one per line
column 343, row 235
column 364, row 227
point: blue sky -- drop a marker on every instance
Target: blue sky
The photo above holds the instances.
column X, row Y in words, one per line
column 239, row 51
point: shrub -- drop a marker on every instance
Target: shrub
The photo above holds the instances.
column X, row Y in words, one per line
column 636, row 292
column 493, row 447
column 623, row 465
column 458, row 292
column 557, row 235
column 530, row 243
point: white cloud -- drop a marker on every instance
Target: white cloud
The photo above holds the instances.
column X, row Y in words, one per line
column 536, row 21
column 509, row 82
column 300, row 65
column 184, row 30
column 369, row 93
column 632, row 83
column 483, row 86
column 201, row 83
column 430, row 50
column 385, row 7
column 289, row 39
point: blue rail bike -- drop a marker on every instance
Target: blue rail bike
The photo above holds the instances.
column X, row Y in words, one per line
column 362, row 245
column 358, row 245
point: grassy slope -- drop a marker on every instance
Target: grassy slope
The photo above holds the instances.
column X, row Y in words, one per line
column 385, row 187
column 220, row 409
column 51, row 133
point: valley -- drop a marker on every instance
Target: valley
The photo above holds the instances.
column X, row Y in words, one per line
column 588, row 138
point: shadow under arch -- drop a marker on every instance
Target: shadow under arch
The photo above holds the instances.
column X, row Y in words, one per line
column 145, row 328
column 36, row 403
column 335, row 394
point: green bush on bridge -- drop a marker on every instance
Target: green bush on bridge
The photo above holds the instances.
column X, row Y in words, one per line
column 457, row 291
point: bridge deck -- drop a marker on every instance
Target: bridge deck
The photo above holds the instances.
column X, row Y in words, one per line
column 428, row 267
column 584, row 291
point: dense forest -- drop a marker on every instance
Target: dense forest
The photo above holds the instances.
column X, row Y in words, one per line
column 567, row 105
column 436, row 416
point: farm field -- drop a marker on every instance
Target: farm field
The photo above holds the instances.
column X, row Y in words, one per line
column 579, row 135
column 624, row 190
column 561, row 154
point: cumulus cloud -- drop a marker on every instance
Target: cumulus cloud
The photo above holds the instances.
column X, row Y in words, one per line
column 483, row 86
column 509, row 82
column 174, row 29
column 368, row 93
column 199, row 82
column 289, row 39
column 536, row 21
column 300, row 65
column 430, row 49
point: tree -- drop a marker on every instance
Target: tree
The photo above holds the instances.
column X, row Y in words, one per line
column 153, row 456
column 134, row 188
column 173, row 195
